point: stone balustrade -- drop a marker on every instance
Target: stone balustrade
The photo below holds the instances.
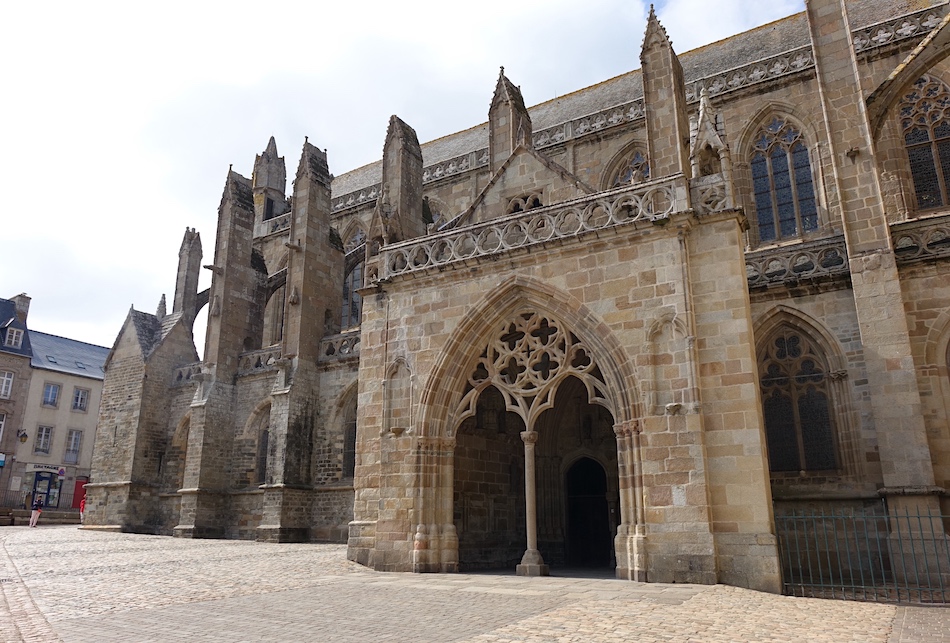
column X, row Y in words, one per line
column 645, row 202
column 184, row 375
column 799, row 262
column 922, row 239
column 259, row 361
column 339, row 347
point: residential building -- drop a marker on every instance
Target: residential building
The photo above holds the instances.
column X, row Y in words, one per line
column 54, row 386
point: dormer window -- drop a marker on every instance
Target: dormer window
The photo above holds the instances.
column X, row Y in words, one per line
column 14, row 338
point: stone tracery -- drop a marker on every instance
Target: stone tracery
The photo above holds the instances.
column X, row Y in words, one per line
column 526, row 358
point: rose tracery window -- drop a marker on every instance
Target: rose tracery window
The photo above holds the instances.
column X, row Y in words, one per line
column 782, row 183
column 926, row 129
column 797, row 405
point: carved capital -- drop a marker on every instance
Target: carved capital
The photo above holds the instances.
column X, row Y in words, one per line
column 529, row 437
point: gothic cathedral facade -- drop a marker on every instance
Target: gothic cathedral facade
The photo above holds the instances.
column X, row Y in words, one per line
column 625, row 328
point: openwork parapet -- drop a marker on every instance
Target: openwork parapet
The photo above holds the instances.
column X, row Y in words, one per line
column 648, row 202
column 259, row 361
column 340, row 347
column 793, row 264
column 184, row 374
column 922, row 240
column 917, row 24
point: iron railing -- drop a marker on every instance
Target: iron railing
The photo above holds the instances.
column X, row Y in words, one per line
column 21, row 500
column 881, row 555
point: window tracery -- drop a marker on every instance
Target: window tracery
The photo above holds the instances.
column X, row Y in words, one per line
column 355, row 240
column 926, row 129
column 632, row 170
column 782, row 182
column 796, row 403
column 525, row 361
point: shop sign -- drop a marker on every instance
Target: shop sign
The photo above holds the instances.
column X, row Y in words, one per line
column 50, row 468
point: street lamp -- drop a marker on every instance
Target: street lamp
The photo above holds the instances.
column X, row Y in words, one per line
column 22, row 435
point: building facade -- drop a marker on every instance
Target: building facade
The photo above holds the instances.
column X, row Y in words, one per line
column 59, row 421
column 627, row 327
column 14, row 379
column 50, row 415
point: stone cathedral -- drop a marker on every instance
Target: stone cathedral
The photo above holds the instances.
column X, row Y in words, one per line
column 625, row 328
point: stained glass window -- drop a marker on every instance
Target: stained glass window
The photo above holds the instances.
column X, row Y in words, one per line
column 352, row 302
column 926, row 131
column 782, row 184
column 797, row 405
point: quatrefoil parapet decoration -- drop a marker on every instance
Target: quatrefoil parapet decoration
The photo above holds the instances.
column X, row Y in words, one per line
column 526, row 359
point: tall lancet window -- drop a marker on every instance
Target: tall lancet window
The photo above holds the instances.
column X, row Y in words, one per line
column 352, row 302
column 926, row 130
column 797, row 405
column 782, row 183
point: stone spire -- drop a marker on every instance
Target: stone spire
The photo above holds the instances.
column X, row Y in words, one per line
column 235, row 321
column 186, row 285
column 160, row 312
column 664, row 98
column 509, row 123
column 269, row 182
column 401, row 202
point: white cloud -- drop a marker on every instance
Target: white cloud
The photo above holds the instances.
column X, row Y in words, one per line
column 121, row 119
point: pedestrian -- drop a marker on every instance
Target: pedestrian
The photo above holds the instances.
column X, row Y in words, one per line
column 37, row 510
column 82, row 511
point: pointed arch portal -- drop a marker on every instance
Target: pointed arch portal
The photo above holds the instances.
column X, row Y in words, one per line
column 536, row 424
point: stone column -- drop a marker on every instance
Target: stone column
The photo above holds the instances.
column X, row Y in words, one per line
column 630, row 541
column 531, row 563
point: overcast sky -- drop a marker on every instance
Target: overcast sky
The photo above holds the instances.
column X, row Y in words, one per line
column 120, row 119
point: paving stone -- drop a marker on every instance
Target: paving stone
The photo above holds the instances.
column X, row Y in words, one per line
column 63, row 584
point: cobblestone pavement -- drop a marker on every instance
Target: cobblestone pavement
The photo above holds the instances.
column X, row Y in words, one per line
column 70, row 585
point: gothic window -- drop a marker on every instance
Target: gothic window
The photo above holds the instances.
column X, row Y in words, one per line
column 797, row 405
column 263, row 439
column 352, row 302
column 782, row 183
column 926, row 129
column 355, row 240
column 349, row 438
column 633, row 169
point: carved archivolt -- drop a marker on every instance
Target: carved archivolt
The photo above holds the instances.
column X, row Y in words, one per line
column 526, row 359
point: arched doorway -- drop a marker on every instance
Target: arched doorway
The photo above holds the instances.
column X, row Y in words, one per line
column 535, row 403
column 489, row 486
column 589, row 538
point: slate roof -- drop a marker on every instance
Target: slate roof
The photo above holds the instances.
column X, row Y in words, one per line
column 762, row 42
column 54, row 353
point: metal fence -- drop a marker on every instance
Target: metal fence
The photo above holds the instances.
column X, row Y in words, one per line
column 883, row 555
column 21, row 500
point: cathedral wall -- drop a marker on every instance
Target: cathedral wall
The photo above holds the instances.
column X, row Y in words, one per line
column 628, row 281
column 830, row 311
column 926, row 291
column 122, row 388
column 336, row 381
column 252, row 391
